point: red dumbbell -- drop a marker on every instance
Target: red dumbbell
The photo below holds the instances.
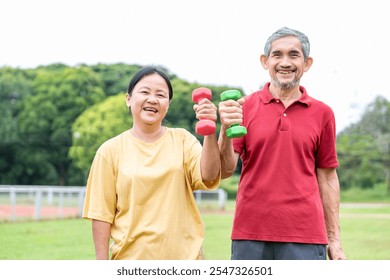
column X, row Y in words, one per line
column 203, row 127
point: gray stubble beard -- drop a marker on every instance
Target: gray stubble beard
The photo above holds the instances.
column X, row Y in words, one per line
column 285, row 86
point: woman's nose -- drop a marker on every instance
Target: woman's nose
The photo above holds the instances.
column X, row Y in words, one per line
column 152, row 98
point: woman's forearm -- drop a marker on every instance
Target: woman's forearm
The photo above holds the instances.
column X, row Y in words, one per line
column 101, row 232
column 210, row 161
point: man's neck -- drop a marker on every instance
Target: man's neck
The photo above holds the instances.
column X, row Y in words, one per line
column 287, row 96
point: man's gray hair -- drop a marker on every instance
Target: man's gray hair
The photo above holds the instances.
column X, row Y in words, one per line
column 284, row 32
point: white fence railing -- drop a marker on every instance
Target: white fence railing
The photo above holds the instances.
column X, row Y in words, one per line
column 40, row 202
column 210, row 197
column 48, row 202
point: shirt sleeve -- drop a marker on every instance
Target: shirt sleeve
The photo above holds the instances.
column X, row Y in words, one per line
column 100, row 198
column 326, row 156
column 238, row 144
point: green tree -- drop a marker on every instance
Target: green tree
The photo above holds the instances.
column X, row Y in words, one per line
column 15, row 84
column 364, row 147
column 359, row 161
column 97, row 124
column 59, row 97
column 115, row 77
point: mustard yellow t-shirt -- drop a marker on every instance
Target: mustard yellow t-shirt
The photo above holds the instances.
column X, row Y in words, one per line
column 145, row 191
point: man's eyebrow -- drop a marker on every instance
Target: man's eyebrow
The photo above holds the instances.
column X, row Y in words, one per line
column 276, row 51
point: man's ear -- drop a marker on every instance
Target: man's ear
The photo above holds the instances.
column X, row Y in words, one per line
column 263, row 61
column 308, row 63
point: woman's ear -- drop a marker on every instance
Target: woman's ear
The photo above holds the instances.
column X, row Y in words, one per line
column 128, row 99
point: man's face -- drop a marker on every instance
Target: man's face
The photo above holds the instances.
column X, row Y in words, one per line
column 286, row 63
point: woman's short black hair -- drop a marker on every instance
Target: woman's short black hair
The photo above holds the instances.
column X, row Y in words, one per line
column 146, row 71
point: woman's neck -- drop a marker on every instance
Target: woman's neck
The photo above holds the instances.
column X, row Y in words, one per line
column 147, row 134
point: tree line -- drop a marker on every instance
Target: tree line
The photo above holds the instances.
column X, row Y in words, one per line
column 54, row 117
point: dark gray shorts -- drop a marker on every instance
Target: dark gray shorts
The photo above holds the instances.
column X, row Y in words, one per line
column 259, row 250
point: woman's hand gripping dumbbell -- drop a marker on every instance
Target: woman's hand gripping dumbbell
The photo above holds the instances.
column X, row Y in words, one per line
column 205, row 110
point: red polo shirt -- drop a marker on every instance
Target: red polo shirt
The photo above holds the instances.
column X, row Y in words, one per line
column 278, row 197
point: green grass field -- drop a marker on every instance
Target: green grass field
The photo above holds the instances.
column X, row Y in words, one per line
column 365, row 236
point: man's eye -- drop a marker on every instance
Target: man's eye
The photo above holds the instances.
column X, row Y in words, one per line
column 294, row 54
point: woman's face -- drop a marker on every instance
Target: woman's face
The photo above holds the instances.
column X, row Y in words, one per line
column 149, row 101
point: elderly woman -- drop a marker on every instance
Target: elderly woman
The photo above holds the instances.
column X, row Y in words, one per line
column 141, row 183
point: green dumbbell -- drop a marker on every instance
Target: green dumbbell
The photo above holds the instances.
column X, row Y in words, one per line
column 235, row 130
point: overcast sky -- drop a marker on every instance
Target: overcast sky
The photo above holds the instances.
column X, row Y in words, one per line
column 209, row 41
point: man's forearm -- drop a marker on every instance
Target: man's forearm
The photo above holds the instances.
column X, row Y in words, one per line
column 227, row 154
column 330, row 193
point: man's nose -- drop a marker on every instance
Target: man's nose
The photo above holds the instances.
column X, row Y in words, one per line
column 286, row 61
